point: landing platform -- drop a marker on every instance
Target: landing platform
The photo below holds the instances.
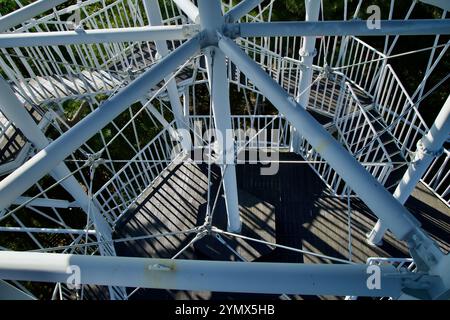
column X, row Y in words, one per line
column 291, row 208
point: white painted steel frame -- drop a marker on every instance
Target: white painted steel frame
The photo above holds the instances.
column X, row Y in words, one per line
column 383, row 205
column 252, row 277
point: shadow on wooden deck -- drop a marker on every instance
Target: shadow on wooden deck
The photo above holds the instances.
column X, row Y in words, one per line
column 291, row 208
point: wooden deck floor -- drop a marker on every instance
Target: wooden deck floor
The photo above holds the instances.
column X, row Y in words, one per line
column 291, row 208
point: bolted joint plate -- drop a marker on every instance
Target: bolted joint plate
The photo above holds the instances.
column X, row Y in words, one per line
column 208, row 39
column 231, row 31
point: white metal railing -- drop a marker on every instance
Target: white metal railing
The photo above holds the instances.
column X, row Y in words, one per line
column 46, row 73
column 5, row 124
column 357, row 60
column 325, row 92
column 356, row 130
column 325, row 88
column 398, row 112
column 138, row 174
column 398, row 263
column 261, row 131
column 401, row 264
column 62, row 290
column 353, row 128
column 286, row 71
column 437, row 177
column 269, row 60
column 328, row 91
column 330, row 177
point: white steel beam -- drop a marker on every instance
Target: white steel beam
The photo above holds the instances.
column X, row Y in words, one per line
column 338, row 28
column 307, row 53
column 44, row 161
column 377, row 198
column 252, row 277
column 189, row 9
column 241, row 9
column 133, row 34
column 212, row 20
column 427, row 149
column 30, row 11
column 155, row 19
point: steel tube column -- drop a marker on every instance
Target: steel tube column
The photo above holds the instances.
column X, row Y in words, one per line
column 211, row 20
column 155, row 19
column 380, row 201
column 134, row 34
column 16, row 112
column 426, row 151
column 307, row 53
column 338, row 28
column 252, row 277
column 443, row 4
column 24, row 177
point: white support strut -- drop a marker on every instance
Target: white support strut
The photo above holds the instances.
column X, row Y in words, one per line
column 197, row 275
column 134, row 34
